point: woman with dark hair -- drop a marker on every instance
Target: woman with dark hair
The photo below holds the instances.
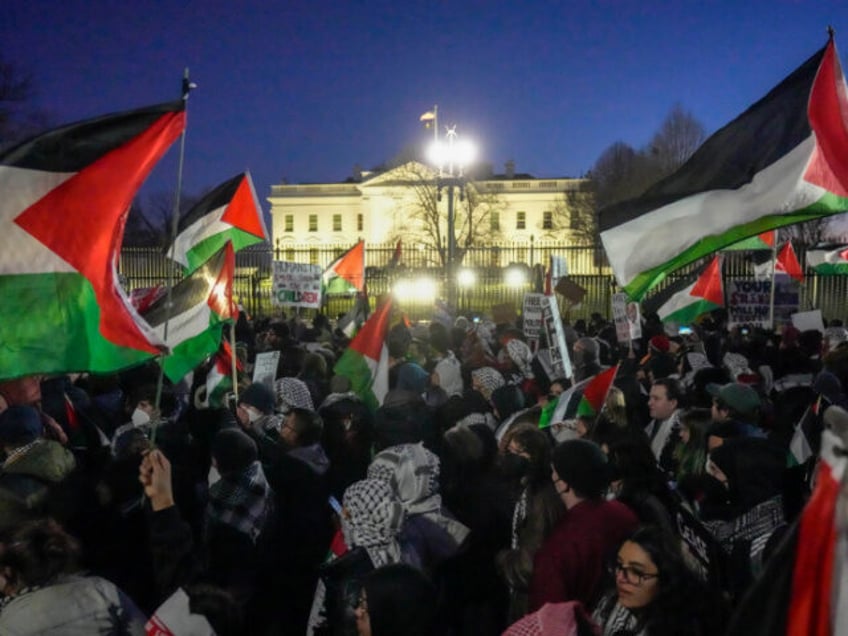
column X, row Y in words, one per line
column 690, row 457
column 655, row 593
column 527, row 461
column 44, row 593
column 396, row 599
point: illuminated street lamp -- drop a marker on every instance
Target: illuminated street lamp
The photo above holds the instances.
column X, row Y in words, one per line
column 451, row 156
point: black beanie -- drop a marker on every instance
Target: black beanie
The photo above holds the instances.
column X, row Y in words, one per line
column 233, row 451
column 260, row 397
column 583, row 466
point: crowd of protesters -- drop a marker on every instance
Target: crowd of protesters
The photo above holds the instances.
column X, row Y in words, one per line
column 467, row 503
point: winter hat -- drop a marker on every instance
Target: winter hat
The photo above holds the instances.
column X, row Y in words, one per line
column 293, row 394
column 583, row 466
column 487, row 379
column 259, row 396
column 412, row 377
column 739, row 397
column 19, row 425
column 233, row 450
column 736, row 364
column 660, row 343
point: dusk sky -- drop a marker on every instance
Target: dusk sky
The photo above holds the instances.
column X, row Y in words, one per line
column 302, row 91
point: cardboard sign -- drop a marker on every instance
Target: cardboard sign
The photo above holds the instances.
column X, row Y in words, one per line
column 633, row 312
column 560, row 360
column 748, row 301
column 265, row 368
column 619, row 317
column 572, row 292
column 531, row 322
column 296, row 285
column 504, row 314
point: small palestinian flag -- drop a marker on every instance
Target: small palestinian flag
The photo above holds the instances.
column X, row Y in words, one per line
column 592, row 400
column 66, row 196
column 828, row 259
column 230, row 212
column 347, row 273
column 764, row 241
column 788, row 263
column 687, row 299
column 783, row 161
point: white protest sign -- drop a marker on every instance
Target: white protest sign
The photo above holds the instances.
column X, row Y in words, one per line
column 296, row 285
column 619, row 317
column 749, row 300
column 265, row 367
column 560, row 360
column 807, row 320
column 531, row 319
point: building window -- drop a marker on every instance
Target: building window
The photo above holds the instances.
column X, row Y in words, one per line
column 495, row 221
column 337, row 223
column 521, row 221
column 547, row 220
column 313, row 255
column 313, row 222
column 359, row 223
column 290, row 254
column 289, row 223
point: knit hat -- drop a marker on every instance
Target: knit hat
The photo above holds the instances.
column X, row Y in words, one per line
column 293, row 394
column 487, row 379
column 583, row 466
column 259, row 396
column 233, row 450
column 737, row 396
column 19, row 425
column 660, row 343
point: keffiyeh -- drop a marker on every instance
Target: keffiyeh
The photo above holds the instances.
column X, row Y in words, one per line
column 375, row 518
column 293, row 394
column 486, row 380
column 241, row 500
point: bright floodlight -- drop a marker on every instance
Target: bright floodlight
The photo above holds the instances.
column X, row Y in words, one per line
column 437, row 153
column 466, row 277
column 415, row 290
column 515, row 277
column 464, row 152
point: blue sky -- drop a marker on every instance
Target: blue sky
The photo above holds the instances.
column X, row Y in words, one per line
column 302, row 91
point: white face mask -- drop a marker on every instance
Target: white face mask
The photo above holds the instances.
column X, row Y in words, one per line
column 140, row 417
column 253, row 415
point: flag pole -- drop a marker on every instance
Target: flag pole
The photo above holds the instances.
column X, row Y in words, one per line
column 436, row 122
column 187, row 86
column 773, row 271
column 234, row 360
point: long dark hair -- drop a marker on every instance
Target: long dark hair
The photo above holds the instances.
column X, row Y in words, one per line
column 38, row 552
column 683, row 604
column 401, row 600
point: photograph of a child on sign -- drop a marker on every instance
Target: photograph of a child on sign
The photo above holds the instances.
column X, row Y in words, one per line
column 634, row 320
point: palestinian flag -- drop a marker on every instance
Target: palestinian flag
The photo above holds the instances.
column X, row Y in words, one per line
column 788, row 263
column 200, row 304
column 350, row 323
column 764, row 241
column 347, row 273
column 230, row 212
column 690, row 297
column 592, row 400
column 219, row 380
column 783, row 161
column 366, row 360
column 828, row 259
column 66, row 196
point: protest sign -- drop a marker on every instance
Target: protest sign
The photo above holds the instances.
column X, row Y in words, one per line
column 503, row 314
column 619, row 317
column 531, row 319
column 809, row 320
column 560, row 360
column 571, row 291
column 748, row 301
column 296, row 285
column 265, row 367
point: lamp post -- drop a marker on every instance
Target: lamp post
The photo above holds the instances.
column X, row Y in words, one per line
column 451, row 156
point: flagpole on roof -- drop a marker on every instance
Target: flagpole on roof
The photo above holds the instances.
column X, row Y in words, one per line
column 187, row 86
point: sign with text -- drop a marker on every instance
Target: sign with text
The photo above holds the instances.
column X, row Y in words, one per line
column 531, row 319
column 265, row 368
column 619, row 317
column 748, row 301
column 552, row 321
column 296, row 285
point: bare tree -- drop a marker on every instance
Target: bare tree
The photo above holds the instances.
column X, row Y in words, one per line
column 831, row 228
column 679, row 136
column 19, row 119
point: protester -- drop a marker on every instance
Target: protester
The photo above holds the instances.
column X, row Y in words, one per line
column 396, row 599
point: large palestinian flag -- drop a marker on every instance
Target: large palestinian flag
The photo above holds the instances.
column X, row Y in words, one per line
column 783, row 161
column 230, row 212
column 828, row 259
column 200, row 304
column 365, row 362
column 65, row 198
column 690, row 297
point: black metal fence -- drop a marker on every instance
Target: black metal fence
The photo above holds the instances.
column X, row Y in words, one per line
column 146, row 267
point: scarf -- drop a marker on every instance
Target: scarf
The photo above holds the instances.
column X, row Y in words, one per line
column 241, row 501
column 375, row 518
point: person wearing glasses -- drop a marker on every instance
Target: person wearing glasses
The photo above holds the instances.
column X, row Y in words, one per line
column 655, row 592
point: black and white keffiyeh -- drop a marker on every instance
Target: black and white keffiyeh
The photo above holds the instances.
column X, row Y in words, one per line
column 374, row 519
column 241, row 500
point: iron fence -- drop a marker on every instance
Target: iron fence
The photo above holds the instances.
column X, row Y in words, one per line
column 145, row 267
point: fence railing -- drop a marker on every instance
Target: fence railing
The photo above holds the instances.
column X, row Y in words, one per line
column 145, row 267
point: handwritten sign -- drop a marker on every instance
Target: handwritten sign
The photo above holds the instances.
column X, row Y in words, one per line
column 532, row 319
column 560, row 360
column 296, row 285
column 749, row 300
column 265, row 367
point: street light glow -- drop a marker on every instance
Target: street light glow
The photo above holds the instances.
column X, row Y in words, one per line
column 422, row 289
column 515, row 277
column 466, row 278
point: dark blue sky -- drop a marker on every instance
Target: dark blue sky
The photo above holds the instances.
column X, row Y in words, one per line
column 304, row 90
